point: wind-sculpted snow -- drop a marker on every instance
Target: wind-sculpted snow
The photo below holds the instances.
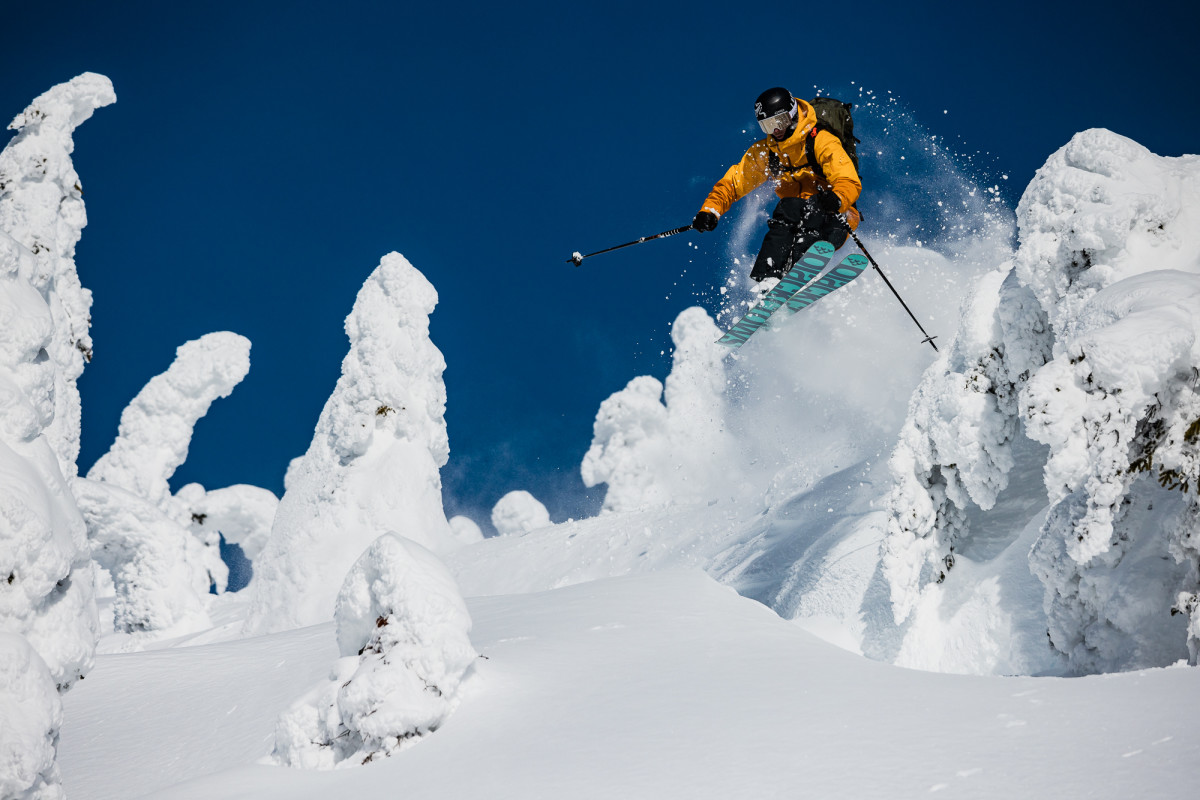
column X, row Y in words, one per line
column 402, row 631
column 374, row 458
column 1086, row 344
column 47, row 595
column 519, row 512
column 654, row 446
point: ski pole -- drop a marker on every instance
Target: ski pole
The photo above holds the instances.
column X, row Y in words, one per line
column 577, row 259
column 927, row 338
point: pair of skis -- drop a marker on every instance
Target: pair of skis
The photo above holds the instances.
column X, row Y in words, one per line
column 798, row 289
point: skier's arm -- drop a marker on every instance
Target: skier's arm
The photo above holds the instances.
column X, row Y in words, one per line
column 740, row 180
column 839, row 169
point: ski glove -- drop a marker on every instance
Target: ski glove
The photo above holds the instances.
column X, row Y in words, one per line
column 828, row 201
column 705, row 221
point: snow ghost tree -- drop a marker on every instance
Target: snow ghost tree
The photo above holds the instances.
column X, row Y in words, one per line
column 1083, row 351
column 466, row 530
column 242, row 514
column 32, row 713
column 48, row 624
column 402, row 631
column 157, row 566
column 156, row 427
column 653, row 454
column 519, row 512
column 155, row 433
column 374, row 459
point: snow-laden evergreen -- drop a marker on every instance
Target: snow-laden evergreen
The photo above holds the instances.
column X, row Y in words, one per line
column 1085, row 343
column 373, row 463
column 42, row 217
column 31, row 713
column 654, row 445
column 152, row 442
column 156, row 427
column 158, row 570
column 519, row 512
column 48, row 620
column 402, row 632
column 466, row 530
column 241, row 513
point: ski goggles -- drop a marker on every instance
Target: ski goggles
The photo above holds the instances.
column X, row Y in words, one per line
column 780, row 121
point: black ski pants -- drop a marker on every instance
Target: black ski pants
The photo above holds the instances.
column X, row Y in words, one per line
column 794, row 226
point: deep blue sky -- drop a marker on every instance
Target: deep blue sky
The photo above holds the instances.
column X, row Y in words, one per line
column 261, row 158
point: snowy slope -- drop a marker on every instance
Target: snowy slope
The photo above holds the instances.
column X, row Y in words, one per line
column 1020, row 504
column 660, row 686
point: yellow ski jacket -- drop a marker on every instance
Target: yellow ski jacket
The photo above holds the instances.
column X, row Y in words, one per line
column 786, row 163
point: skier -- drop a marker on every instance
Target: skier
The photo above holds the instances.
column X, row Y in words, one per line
column 814, row 204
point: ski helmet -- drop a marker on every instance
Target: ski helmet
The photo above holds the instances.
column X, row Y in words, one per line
column 776, row 109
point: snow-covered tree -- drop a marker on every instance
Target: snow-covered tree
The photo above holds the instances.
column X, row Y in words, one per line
column 955, row 449
column 157, row 566
column 240, row 513
column 519, row 512
column 31, row 711
column 466, row 530
column 374, row 459
column 42, row 217
column 654, row 445
column 1115, row 409
column 156, row 427
column 156, row 430
column 630, row 448
column 1087, row 344
column 48, row 624
column 402, row 632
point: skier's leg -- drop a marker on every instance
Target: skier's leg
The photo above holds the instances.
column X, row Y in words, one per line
column 773, row 257
column 835, row 231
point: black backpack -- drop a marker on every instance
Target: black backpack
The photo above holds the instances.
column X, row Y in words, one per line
column 833, row 116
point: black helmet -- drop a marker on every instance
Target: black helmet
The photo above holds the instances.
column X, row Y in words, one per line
column 773, row 101
column 777, row 112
